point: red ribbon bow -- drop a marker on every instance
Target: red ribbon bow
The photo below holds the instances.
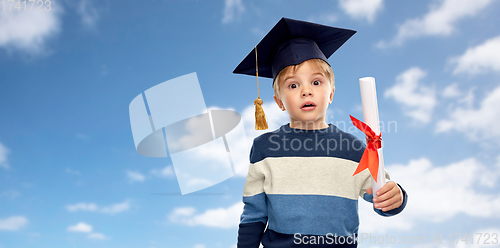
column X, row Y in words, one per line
column 370, row 155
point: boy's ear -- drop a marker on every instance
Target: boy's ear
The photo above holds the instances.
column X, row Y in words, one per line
column 331, row 95
column 279, row 102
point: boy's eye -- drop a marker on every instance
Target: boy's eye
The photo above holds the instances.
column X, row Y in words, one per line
column 316, row 82
column 292, row 86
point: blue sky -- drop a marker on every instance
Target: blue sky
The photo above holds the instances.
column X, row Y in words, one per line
column 69, row 172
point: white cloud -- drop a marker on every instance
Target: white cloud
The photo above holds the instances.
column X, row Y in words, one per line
column 3, row 157
column 88, row 13
column 86, row 228
column 182, row 212
column 439, row 21
column 28, row 31
column 167, row 172
column 13, row 223
column 482, row 58
column 457, row 97
column 198, row 182
column 219, row 217
column 232, row 9
column 135, row 176
column 97, row 236
column 199, row 246
column 80, row 227
column 476, row 123
column 116, row 208
column 417, row 100
column 441, row 192
column 328, row 18
column 92, row 207
column 451, row 91
column 362, row 9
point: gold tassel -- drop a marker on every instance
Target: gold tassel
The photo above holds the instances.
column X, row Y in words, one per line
column 260, row 117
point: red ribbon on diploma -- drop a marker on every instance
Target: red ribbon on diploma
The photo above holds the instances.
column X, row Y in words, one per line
column 370, row 155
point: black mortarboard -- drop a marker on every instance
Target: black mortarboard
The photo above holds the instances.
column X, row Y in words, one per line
column 290, row 42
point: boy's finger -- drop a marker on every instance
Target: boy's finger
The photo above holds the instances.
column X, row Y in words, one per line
column 387, row 203
column 388, row 186
column 388, row 194
column 385, row 196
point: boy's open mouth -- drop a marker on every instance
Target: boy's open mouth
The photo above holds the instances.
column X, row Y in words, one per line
column 308, row 106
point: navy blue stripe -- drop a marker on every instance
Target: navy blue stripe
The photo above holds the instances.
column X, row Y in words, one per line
column 250, row 234
column 289, row 142
column 313, row 214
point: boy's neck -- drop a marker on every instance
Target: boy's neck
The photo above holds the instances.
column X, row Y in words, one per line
column 308, row 125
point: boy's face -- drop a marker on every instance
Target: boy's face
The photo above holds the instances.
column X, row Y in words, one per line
column 305, row 94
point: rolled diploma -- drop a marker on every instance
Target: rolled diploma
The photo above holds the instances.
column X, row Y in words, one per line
column 371, row 118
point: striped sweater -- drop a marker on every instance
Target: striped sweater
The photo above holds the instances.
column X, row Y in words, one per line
column 300, row 184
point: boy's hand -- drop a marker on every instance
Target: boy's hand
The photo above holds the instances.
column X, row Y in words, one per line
column 388, row 197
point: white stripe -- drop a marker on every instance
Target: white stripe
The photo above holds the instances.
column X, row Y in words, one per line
column 307, row 176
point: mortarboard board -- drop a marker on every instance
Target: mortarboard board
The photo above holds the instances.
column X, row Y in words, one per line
column 290, row 42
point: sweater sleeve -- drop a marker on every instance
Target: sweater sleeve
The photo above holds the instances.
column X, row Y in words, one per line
column 254, row 217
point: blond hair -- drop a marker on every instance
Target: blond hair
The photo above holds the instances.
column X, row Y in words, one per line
column 318, row 65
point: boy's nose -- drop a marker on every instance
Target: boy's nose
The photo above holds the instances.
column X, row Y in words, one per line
column 307, row 92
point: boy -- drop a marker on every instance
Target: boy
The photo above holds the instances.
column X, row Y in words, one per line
column 300, row 181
